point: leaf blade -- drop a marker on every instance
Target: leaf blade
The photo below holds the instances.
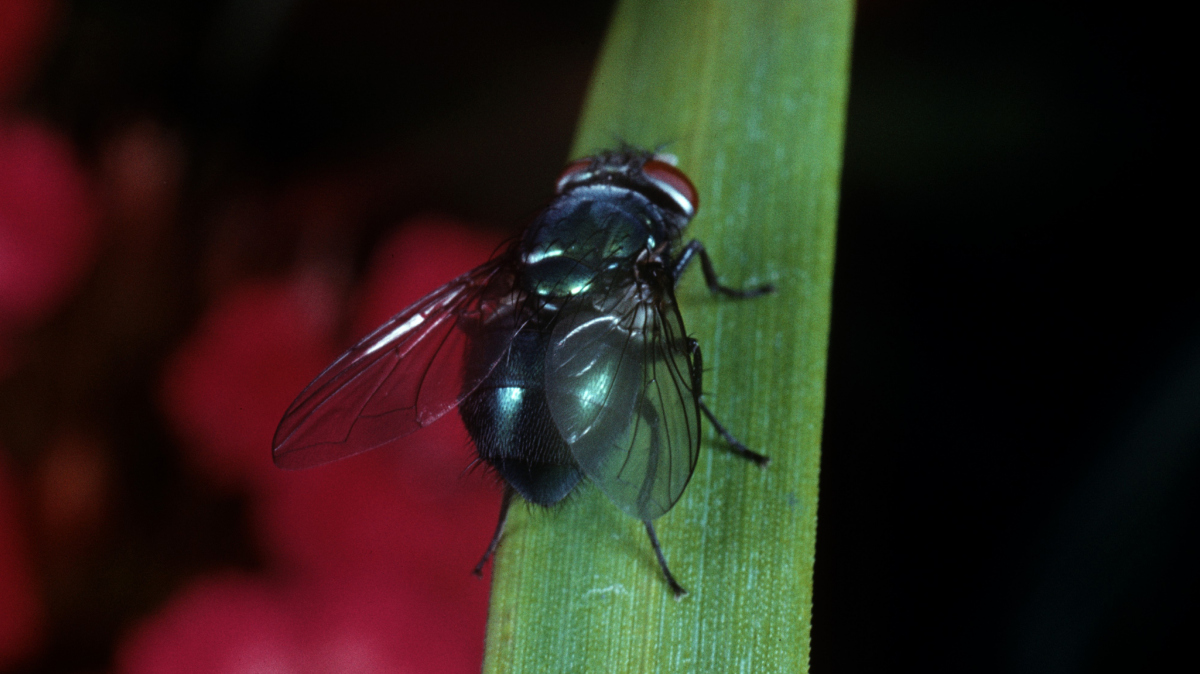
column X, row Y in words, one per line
column 752, row 100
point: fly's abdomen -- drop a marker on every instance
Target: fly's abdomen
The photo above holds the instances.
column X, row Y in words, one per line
column 509, row 421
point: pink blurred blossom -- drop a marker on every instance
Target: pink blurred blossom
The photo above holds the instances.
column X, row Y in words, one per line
column 242, row 624
column 48, row 230
column 250, row 354
column 225, row 625
column 368, row 558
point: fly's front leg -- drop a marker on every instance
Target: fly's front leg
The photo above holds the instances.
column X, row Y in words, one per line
column 689, row 252
column 735, row 445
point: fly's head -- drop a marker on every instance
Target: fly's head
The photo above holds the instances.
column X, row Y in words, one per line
column 652, row 175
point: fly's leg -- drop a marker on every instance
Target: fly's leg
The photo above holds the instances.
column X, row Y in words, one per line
column 491, row 549
column 689, row 253
column 735, row 445
column 652, row 422
column 676, row 588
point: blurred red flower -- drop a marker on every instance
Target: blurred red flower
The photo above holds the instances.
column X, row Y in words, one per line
column 368, row 558
column 217, row 626
column 241, row 624
column 226, row 387
column 47, row 223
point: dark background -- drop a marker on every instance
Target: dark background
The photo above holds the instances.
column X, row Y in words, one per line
column 1013, row 411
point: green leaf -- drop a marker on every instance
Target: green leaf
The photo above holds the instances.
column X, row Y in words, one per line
column 751, row 97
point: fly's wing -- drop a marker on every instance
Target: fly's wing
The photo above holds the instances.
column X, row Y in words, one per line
column 406, row 374
column 622, row 390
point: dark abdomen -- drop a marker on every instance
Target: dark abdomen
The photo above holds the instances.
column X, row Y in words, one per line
column 510, row 423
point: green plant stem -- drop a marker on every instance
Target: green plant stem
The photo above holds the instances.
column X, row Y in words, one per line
column 751, row 98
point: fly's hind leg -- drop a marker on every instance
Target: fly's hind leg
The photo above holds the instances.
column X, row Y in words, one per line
column 491, row 549
column 689, row 253
column 652, row 422
column 734, row 445
column 676, row 588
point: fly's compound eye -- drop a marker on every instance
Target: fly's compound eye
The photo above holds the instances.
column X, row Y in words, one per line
column 574, row 171
column 674, row 184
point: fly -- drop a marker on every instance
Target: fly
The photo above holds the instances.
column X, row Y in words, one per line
column 565, row 355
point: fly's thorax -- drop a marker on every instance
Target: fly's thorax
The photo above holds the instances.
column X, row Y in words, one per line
column 589, row 233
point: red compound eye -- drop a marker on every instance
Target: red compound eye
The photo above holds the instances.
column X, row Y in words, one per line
column 672, row 181
column 572, row 171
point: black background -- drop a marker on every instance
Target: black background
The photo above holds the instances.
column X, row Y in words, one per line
column 1013, row 417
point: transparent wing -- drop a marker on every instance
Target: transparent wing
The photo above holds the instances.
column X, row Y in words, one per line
column 406, row 374
column 622, row 390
